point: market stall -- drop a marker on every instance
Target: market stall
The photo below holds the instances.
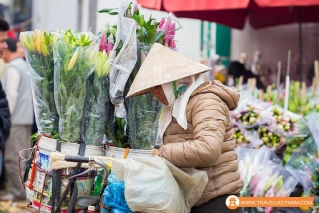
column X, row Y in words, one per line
column 93, row 143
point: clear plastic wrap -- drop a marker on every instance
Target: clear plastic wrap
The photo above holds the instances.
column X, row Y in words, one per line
column 259, row 180
column 73, row 64
column 97, row 107
column 287, row 124
column 39, row 56
column 302, row 160
column 142, row 111
column 313, row 124
column 251, row 162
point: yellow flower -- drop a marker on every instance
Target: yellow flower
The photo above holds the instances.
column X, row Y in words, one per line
column 38, row 41
column 25, row 43
column 44, row 49
column 73, row 60
column 32, row 42
column 109, row 165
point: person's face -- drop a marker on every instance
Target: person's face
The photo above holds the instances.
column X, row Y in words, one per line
column 159, row 94
column 3, row 43
column 6, row 55
column 20, row 50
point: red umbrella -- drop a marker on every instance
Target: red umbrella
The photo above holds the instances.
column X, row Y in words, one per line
column 233, row 13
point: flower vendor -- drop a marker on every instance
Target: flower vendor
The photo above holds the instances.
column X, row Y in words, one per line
column 195, row 125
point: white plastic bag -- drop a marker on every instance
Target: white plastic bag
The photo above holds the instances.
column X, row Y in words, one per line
column 155, row 185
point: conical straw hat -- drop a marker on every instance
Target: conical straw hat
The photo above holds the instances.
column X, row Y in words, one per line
column 163, row 65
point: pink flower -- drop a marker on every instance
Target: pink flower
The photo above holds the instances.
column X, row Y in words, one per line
column 102, row 45
column 161, row 23
column 109, row 47
column 172, row 44
column 168, row 24
column 135, row 8
column 172, row 29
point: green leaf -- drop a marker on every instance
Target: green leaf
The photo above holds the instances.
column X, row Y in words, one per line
column 141, row 38
column 113, row 13
column 151, row 36
column 137, row 12
column 107, row 10
column 136, row 18
column 158, row 35
column 123, row 122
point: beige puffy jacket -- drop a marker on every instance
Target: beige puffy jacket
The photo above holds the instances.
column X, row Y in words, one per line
column 208, row 142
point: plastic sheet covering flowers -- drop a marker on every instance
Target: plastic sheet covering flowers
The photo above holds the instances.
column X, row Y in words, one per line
column 304, row 161
column 73, row 65
column 98, row 104
column 260, row 181
column 39, row 55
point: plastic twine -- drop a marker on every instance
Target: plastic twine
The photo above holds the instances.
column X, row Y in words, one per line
column 126, row 153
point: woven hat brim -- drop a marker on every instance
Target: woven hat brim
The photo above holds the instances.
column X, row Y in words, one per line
column 163, row 65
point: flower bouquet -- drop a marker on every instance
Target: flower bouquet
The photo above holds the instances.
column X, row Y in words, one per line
column 143, row 111
column 98, row 104
column 270, row 139
column 250, row 113
column 259, row 180
column 303, row 165
column 74, row 57
column 39, row 56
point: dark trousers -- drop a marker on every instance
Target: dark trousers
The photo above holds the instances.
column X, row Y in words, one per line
column 216, row 205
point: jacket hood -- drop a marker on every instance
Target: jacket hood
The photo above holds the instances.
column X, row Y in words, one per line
column 229, row 95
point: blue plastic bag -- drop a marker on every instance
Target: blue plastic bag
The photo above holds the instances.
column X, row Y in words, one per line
column 114, row 195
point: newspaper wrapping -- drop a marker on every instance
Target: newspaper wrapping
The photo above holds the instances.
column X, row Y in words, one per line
column 123, row 63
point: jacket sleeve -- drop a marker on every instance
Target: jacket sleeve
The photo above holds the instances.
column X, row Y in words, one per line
column 209, row 121
column 5, row 122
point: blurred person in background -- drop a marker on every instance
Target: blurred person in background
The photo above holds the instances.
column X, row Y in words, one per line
column 20, row 50
column 5, row 122
column 237, row 69
column 16, row 83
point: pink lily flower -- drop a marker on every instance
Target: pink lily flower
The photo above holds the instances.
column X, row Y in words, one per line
column 268, row 209
column 172, row 29
column 102, row 45
column 255, row 180
column 172, row 44
column 135, row 8
column 109, row 47
column 161, row 23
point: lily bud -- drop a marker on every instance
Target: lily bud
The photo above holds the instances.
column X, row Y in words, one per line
column 135, row 8
column 103, row 44
column 73, row 60
column 161, row 23
column 38, row 41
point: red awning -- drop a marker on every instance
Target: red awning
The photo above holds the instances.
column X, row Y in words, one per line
column 233, row 13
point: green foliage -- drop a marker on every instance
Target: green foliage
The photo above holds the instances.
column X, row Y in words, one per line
column 119, row 138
